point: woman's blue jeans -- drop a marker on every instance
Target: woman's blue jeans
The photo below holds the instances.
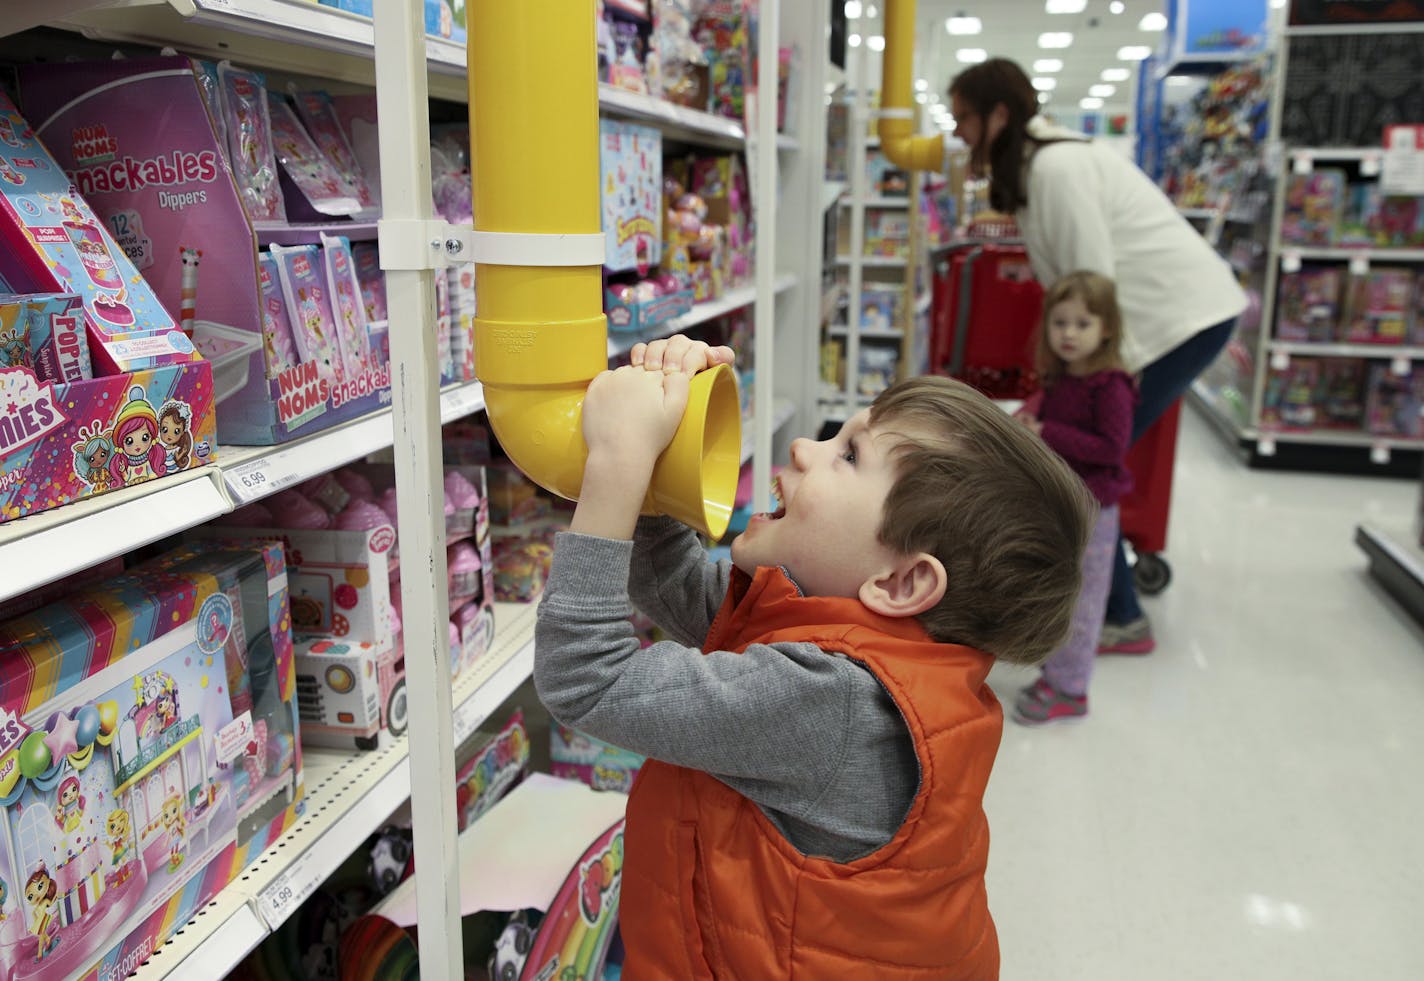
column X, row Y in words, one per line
column 1162, row 383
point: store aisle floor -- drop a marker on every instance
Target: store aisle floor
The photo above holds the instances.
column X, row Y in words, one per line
column 1243, row 804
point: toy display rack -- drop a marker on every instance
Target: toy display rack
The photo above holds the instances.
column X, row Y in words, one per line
column 349, row 795
column 44, row 547
column 1335, row 450
column 1397, row 562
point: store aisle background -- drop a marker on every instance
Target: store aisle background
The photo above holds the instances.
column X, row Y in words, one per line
column 1242, row 804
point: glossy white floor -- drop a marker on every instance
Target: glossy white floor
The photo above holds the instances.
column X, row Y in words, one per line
column 1243, row 804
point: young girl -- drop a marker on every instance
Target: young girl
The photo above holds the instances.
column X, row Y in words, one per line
column 92, row 454
column 137, row 458
column 1086, row 417
column 40, row 892
column 175, row 420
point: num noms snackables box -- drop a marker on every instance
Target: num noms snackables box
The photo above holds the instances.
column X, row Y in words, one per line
column 118, row 816
column 137, row 135
column 603, row 766
column 499, row 763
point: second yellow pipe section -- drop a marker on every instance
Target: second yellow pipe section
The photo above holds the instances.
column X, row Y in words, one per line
column 897, row 139
column 540, row 335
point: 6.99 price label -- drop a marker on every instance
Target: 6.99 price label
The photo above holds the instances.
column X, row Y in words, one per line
column 258, row 478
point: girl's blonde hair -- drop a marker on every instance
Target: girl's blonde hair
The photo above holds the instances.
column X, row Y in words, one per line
column 1099, row 295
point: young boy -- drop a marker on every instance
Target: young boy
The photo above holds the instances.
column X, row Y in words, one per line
column 819, row 730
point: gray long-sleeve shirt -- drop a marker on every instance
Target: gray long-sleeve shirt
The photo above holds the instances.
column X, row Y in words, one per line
column 808, row 735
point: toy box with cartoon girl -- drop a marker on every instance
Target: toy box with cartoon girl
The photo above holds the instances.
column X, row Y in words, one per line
column 1314, row 204
column 118, row 748
column 94, row 400
column 1395, row 403
column 631, row 161
column 60, row 443
column 137, row 137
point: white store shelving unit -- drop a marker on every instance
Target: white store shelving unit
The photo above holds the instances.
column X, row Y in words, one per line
column 348, row 795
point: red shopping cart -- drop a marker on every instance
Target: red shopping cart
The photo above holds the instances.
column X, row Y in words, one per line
column 983, row 331
column 986, row 311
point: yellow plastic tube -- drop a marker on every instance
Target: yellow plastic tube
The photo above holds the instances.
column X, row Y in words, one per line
column 896, row 129
column 541, row 336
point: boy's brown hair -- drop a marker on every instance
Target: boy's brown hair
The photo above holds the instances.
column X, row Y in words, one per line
column 1004, row 514
column 1099, row 295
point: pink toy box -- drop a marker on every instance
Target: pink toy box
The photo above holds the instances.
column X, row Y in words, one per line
column 158, row 179
column 118, row 755
column 601, row 765
column 352, row 693
column 66, row 436
column 501, row 761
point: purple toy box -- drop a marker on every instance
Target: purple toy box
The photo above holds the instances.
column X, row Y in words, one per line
column 184, row 225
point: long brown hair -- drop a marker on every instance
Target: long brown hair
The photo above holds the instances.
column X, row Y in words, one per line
column 1099, row 295
column 1001, row 82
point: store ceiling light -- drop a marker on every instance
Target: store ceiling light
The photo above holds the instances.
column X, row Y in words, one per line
column 1055, row 39
column 1045, row 66
column 1153, row 22
column 876, row 42
column 1065, row 6
column 1092, row 102
column 921, row 98
column 921, row 85
column 872, row 11
column 1133, row 52
column 852, row 9
column 1116, row 74
column 1117, row 6
column 853, row 40
column 1045, row 84
column 960, row 24
column 1102, row 91
column 971, row 56
column 1175, row 80
column 1044, row 97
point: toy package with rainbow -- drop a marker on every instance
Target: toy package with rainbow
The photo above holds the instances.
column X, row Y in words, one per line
column 129, row 713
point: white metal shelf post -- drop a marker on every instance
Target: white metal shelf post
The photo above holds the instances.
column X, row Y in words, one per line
column 409, row 254
column 768, row 82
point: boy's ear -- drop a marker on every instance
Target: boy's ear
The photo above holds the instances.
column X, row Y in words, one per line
column 913, row 585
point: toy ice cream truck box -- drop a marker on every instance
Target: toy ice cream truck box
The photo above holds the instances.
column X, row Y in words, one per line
column 118, row 747
column 352, row 693
column 158, row 179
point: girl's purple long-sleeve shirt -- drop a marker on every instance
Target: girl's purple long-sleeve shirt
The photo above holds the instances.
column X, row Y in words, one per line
column 1088, row 422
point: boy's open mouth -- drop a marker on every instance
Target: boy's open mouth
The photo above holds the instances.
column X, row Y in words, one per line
column 780, row 511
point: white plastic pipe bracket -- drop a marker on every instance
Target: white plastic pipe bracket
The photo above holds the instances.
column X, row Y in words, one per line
column 411, row 243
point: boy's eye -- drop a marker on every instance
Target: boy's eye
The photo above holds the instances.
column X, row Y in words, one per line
column 849, row 455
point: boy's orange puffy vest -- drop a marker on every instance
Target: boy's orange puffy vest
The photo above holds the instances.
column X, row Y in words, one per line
column 712, row 890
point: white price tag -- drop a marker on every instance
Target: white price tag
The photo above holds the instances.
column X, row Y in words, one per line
column 1379, row 454
column 281, row 899
column 1400, row 366
column 1301, row 163
column 467, row 720
column 1266, row 446
column 1359, row 265
column 1290, row 261
column 462, row 401
column 1370, row 167
column 257, row 478
column 1280, row 360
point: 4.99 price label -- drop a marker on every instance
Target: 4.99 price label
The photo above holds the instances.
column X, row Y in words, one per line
column 280, row 900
